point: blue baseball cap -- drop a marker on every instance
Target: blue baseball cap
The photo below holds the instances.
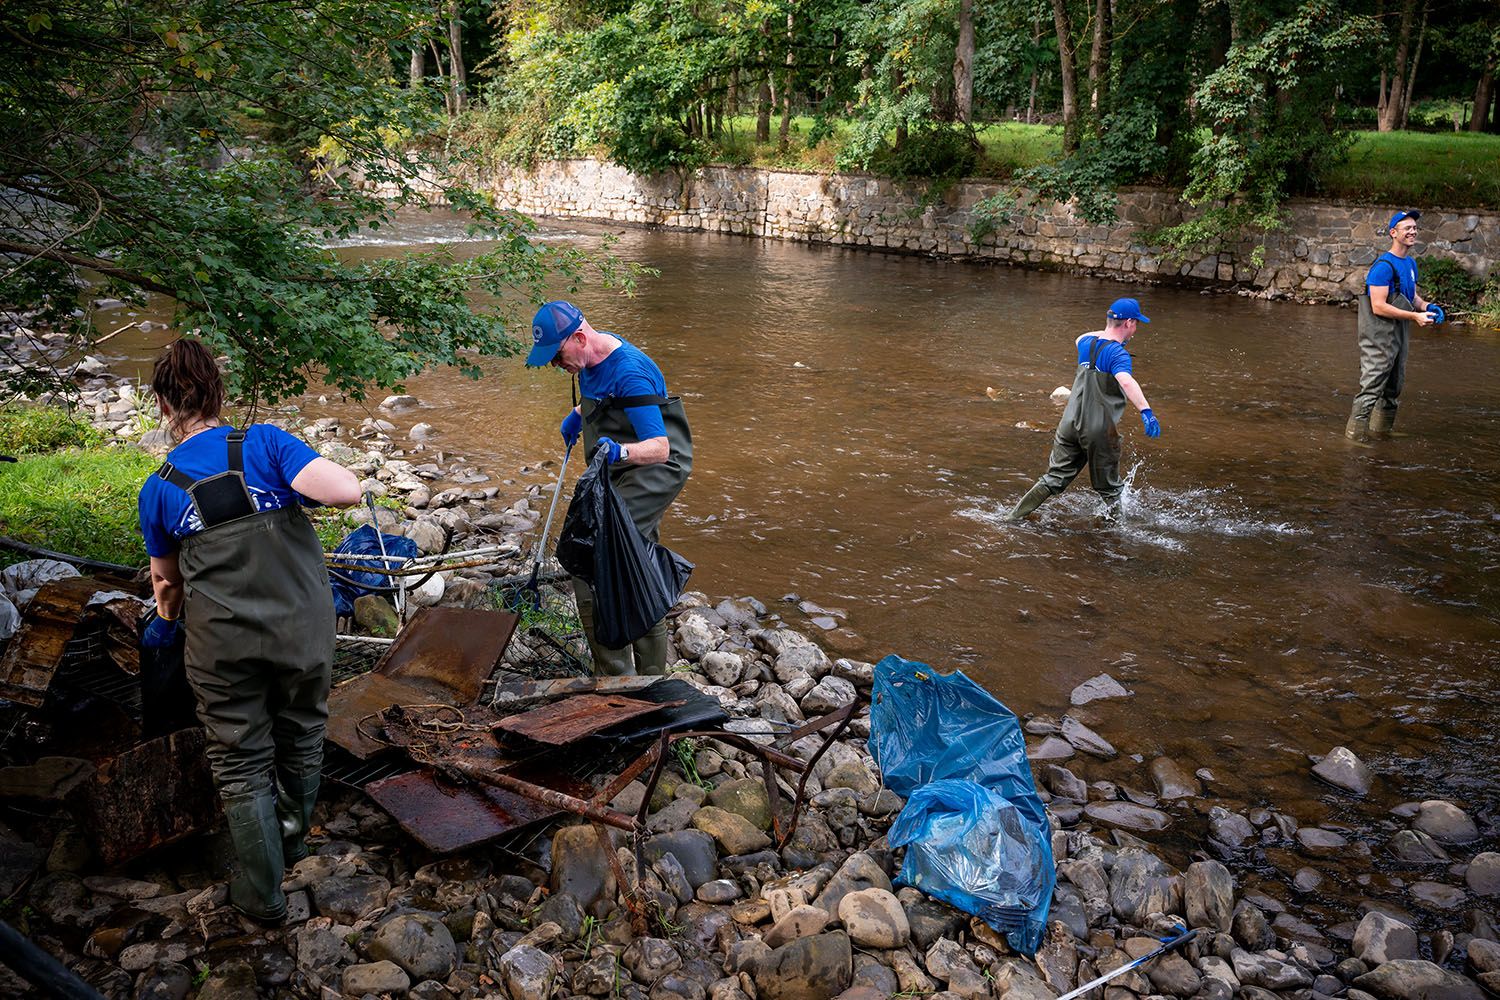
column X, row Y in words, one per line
column 1410, row 213
column 552, row 324
column 1126, row 309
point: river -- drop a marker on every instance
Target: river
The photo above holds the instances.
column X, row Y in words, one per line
column 862, row 421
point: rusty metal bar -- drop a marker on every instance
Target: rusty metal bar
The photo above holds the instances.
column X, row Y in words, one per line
column 625, row 777
column 840, row 715
column 549, row 796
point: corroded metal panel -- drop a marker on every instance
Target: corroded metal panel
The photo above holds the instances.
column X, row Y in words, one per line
column 149, row 796
column 445, row 818
column 576, row 717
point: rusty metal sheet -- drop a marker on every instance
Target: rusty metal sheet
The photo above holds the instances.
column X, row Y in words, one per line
column 575, row 717
column 149, row 796
column 451, row 650
column 518, row 695
column 36, row 650
column 445, row 818
column 442, row 657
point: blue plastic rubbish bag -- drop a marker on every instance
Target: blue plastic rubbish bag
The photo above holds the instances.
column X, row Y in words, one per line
column 362, row 541
column 975, row 830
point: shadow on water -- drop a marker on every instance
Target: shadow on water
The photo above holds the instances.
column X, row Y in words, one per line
column 862, row 422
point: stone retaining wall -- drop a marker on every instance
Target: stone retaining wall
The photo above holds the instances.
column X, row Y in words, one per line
column 1321, row 256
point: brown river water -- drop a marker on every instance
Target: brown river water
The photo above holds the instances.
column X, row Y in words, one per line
column 1273, row 592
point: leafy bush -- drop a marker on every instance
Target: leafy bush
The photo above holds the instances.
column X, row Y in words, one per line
column 1447, row 282
column 32, row 430
column 1092, row 176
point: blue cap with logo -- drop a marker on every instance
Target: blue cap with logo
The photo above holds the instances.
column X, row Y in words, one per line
column 1409, row 213
column 552, row 324
column 1126, row 309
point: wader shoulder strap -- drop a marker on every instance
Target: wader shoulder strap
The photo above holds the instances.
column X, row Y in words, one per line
column 1094, row 352
column 179, row 479
column 625, row 403
column 219, row 498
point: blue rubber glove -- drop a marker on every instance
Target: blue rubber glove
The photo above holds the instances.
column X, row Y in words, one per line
column 161, row 633
column 612, row 450
column 1436, row 312
column 1152, row 425
column 572, row 426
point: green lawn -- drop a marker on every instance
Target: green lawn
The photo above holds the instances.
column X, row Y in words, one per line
column 1422, row 169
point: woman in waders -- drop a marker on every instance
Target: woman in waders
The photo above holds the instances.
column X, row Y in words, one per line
column 1089, row 428
column 239, row 578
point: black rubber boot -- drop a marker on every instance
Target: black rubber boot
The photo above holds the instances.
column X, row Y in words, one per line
column 1382, row 421
column 1357, row 429
column 296, row 796
column 256, row 889
column 1035, row 497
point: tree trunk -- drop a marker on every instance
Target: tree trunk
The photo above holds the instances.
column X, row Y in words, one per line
column 1411, row 78
column 418, row 66
column 963, row 64
column 1067, row 67
column 786, row 88
column 1036, row 41
column 1482, row 96
column 458, row 77
column 1389, row 116
column 1099, row 57
column 766, row 96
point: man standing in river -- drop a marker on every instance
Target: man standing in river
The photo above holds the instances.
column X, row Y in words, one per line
column 1387, row 309
column 645, row 433
column 1089, row 429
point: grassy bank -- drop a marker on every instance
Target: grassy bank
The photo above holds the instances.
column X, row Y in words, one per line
column 1423, row 169
column 69, row 491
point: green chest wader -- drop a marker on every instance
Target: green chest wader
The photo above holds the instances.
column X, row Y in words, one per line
column 647, row 491
column 1382, row 364
column 259, row 650
column 1089, row 431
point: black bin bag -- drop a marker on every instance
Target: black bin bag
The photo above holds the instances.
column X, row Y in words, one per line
column 635, row 581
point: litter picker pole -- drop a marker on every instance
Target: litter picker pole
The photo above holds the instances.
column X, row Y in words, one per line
column 1167, row 944
column 533, row 596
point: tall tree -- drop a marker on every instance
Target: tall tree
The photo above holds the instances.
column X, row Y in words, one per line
column 1068, row 70
column 123, row 159
column 963, row 64
column 1393, row 77
column 1099, row 56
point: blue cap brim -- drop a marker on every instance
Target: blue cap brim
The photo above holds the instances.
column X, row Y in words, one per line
column 542, row 355
column 1142, row 319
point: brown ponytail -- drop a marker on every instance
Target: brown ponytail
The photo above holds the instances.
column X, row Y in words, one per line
column 186, row 378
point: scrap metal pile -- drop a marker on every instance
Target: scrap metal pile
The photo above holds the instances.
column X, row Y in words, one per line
column 447, row 731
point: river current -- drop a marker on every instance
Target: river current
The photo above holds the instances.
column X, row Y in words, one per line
column 862, row 422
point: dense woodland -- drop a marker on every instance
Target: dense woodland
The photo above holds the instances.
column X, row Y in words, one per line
column 207, row 149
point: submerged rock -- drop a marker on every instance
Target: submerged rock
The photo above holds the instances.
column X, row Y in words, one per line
column 1342, row 769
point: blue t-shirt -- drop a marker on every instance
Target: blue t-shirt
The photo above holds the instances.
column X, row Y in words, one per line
column 628, row 372
column 1113, row 358
column 1406, row 274
column 272, row 460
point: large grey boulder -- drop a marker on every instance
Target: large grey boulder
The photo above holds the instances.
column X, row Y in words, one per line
column 421, row 944
column 1415, row 979
column 1445, row 822
column 580, row 865
column 1342, row 769
column 1267, row 972
column 810, row 968
column 1483, row 876
column 1208, row 896
column 1141, row 884
column 1380, row 938
column 874, row 918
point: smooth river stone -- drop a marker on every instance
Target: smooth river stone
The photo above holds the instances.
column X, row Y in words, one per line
column 1342, row 769
column 1096, row 688
column 1128, row 816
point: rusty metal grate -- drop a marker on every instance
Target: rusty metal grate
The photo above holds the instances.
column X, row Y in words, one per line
column 356, row 654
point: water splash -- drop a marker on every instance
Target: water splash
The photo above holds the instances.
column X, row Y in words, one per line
column 1163, row 518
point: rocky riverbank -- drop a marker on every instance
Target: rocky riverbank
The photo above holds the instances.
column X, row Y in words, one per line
column 1142, row 845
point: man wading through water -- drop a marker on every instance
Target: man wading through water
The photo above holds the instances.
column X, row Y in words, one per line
column 1089, row 431
column 648, row 445
column 1387, row 310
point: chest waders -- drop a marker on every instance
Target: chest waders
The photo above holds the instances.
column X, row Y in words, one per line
column 647, row 491
column 1382, row 364
column 259, row 624
column 1088, row 433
